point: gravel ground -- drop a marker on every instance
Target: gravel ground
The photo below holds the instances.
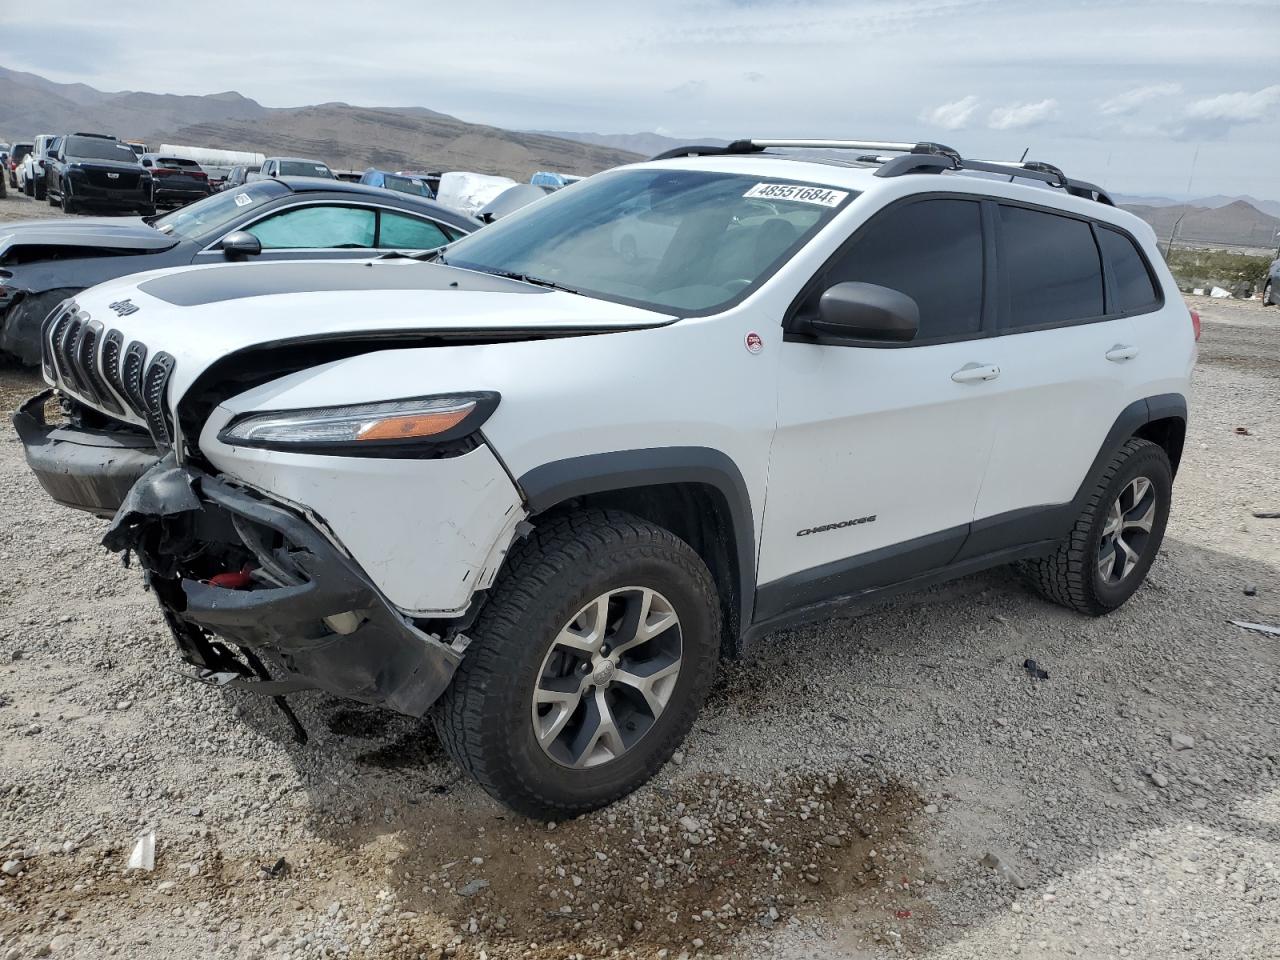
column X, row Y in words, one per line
column 892, row 785
column 18, row 206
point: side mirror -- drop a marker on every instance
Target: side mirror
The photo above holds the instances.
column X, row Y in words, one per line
column 865, row 311
column 239, row 244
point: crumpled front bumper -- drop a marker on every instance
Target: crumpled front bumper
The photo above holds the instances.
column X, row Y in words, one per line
column 89, row 470
column 309, row 611
column 319, row 621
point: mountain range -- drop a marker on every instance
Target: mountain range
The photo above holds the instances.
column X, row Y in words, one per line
column 356, row 137
column 344, row 136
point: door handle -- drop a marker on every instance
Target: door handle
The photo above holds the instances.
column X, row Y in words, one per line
column 976, row 373
column 1121, row 352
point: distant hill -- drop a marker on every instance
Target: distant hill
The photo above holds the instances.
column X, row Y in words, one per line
column 1237, row 223
column 1270, row 207
column 646, row 144
column 340, row 134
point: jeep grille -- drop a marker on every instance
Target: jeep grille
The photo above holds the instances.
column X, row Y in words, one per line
column 93, row 366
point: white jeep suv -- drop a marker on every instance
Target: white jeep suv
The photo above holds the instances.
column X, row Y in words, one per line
column 538, row 487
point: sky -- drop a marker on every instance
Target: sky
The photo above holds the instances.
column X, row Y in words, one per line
column 1157, row 97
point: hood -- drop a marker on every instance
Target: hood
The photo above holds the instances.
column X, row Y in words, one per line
column 198, row 315
column 109, row 233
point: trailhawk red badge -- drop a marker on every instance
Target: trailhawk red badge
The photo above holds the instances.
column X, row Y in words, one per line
column 754, row 343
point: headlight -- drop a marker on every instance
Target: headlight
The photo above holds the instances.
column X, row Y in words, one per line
column 421, row 427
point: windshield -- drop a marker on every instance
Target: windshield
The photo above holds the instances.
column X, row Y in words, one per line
column 216, row 211
column 20, row 150
column 303, row 168
column 94, row 148
column 680, row 241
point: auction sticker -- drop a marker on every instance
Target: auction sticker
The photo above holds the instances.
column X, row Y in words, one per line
column 243, row 199
column 797, row 193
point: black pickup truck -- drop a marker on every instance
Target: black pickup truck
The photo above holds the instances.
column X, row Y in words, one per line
column 91, row 170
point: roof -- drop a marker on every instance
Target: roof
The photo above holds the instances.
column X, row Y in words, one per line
column 350, row 188
column 297, row 160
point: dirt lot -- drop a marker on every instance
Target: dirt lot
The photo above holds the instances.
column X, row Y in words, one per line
column 836, row 799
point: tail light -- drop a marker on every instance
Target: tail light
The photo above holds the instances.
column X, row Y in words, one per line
column 1195, row 323
column 199, row 175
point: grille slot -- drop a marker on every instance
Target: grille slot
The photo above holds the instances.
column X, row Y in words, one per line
column 87, row 358
column 134, row 359
column 153, row 386
column 65, row 350
column 53, row 337
column 112, row 344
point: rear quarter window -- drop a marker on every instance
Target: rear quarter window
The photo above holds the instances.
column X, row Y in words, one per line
column 1132, row 287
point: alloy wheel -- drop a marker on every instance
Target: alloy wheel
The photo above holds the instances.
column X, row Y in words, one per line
column 607, row 678
column 1127, row 530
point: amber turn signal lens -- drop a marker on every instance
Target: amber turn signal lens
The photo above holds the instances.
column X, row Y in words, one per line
column 414, row 425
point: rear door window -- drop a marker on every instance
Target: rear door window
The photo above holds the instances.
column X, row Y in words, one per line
column 931, row 250
column 317, row 228
column 1131, row 285
column 401, row 232
column 1050, row 267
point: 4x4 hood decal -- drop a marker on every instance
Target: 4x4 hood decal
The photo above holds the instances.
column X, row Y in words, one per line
column 194, row 288
column 253, row 307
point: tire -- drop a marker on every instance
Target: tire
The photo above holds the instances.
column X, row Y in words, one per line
column 555, row 581
column 1076, row 574
column 40, row 189
column 28, row 188
column 68, row 205
column 1268, row 296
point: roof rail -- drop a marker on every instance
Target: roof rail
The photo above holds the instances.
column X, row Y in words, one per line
column 922, row 157
column 758, row 146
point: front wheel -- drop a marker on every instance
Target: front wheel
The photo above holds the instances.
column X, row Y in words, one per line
column 587, row 665
column 1105, row 558
column 68, row 205
column 28, row 188
column 39, row 188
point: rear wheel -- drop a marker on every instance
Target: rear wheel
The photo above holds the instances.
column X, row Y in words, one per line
column 1268, row 295
column 28, row 188
column 1105, row 558
column 38, row 186
column 587, row 665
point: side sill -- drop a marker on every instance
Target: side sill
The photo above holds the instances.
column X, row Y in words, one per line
column 836, row 606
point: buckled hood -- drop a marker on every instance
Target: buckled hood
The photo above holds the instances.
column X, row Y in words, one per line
column 199, row 315
column 109, row 233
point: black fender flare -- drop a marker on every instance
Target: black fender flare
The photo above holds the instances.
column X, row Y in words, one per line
column 553, row 483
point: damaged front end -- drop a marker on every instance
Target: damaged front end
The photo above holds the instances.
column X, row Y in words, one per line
column 232, row 569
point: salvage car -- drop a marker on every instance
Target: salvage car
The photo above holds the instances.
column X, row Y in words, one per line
column 535, row 489
column 175, row 180
column 296, row 167
column 415, row 186
column 90, row 170
column 42, row 262
column 17, row 153
column 32, row 167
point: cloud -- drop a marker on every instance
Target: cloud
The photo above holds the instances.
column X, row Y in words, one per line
column 1131, row 100
column 1018, row 115
column 951, row 116
column 753, row 76
column 1239, row 107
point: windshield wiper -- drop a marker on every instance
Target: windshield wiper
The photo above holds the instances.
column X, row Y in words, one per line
column 526, row 278
column 426, row 256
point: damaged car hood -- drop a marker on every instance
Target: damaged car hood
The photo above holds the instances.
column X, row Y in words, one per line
column 199, row 315
column 109, row 233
